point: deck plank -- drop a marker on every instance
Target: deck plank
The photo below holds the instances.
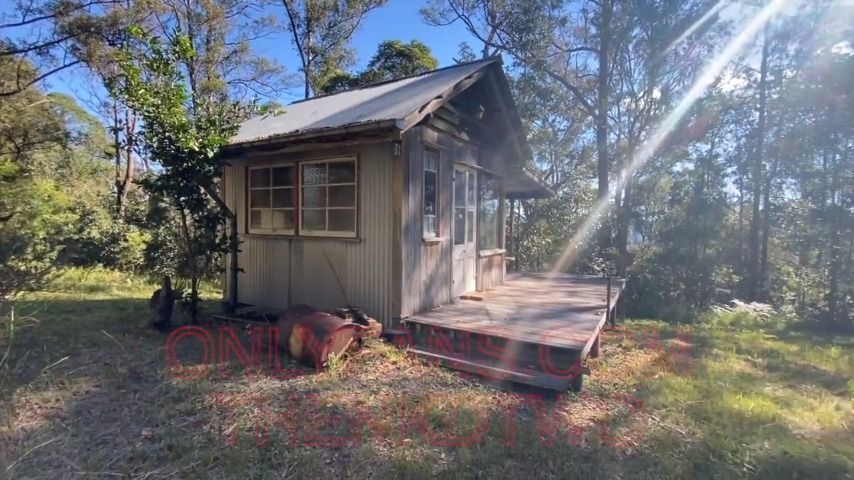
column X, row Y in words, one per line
column 564, row 311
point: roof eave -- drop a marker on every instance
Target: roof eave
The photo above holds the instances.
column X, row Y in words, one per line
column 294, row 137
column 528, row 186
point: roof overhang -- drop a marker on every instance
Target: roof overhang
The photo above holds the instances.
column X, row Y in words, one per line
column 525, row 185
column 317, row 134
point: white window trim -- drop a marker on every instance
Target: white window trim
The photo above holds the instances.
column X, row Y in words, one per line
column 424, row 234
column 355, row 184
column 294, row 187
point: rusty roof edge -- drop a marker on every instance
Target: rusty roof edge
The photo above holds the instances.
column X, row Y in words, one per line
column 316, row 133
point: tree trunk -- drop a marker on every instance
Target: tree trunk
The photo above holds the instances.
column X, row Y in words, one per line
column 755, row 280
column 603, row 94
column 624, row 219
column 233, row 267
column 766, row 218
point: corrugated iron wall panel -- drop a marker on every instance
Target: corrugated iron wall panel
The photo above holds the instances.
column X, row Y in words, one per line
column 326, row 273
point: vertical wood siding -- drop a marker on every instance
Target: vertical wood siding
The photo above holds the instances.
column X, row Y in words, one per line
column 491, row 270
column 427, row 279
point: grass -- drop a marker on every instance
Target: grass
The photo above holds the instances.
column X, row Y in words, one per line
column 85, row 392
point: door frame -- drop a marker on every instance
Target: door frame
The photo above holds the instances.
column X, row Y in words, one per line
column 468, row 249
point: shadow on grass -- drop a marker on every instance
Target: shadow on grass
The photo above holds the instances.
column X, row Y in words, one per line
column 111, row 408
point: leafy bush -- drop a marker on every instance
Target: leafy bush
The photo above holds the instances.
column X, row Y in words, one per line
column 29, row 237
column 742, row 315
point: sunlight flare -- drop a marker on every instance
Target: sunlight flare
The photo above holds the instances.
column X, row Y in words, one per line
column 709, row 75
column 696, row 25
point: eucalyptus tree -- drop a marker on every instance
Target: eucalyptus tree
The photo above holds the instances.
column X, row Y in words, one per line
column 571, row 42
column 320, row 31
column 393, row 59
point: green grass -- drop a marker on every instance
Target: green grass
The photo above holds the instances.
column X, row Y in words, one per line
column 84, row 393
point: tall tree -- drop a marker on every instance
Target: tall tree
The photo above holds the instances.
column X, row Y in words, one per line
column 651, row 68
column 46, row 144
column 35, row 33
column 182, row 130
column 320, row 31
column 393, row 59
column 225, row 65
column 571, row 42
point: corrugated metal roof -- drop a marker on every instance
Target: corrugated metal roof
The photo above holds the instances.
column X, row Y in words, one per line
column 390, row 101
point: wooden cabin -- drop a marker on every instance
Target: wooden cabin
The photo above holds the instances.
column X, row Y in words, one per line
column 390, row 197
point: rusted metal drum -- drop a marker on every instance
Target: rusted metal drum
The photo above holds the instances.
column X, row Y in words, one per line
column 311, row 336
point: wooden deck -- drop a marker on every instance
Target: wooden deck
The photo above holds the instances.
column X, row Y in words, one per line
column 563, row 313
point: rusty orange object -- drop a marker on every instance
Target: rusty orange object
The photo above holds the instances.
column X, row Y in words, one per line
column 312, row 336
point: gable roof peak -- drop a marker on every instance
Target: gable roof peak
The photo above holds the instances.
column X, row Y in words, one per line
column 387, row 102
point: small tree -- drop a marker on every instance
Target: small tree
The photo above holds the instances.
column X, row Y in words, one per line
column 182, row 133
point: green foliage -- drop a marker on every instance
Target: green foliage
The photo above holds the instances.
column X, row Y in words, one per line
column 393, row 59
column 745, row 316
column 30, row 241
column 50, row 155
column 183, row 130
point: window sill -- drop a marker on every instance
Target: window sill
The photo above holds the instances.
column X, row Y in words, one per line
column 284, row 236
column 270, row 234
column 433, row 240
column 491, row 252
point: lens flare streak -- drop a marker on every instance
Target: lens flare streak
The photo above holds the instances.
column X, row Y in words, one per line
column 711, row 72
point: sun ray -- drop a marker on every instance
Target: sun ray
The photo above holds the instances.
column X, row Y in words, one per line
column 696, row 25
column 711, row 72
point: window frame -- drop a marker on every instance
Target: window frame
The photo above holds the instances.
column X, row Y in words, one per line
column 483, row 180
column 436, row 235
column 303, row 232
column 248, row 199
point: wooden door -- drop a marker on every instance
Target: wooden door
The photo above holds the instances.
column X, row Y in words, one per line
column 464, row 230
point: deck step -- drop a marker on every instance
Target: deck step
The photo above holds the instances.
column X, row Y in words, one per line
column 489, row 372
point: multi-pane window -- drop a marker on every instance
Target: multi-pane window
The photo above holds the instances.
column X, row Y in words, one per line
column 271, row 199
column 328, row 200
column 431, row 179
column 489, row 220
column 309, row 198
column 464, row 206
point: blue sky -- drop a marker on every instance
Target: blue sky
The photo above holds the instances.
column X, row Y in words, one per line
column 398, row 19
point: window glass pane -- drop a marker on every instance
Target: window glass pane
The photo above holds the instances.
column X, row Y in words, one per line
column 314, row 220
column 430, row 225
column 255, row 219
column 283, row 197
column 283, row 176
column 314, row 174
column 469, row 226
column 429, row 193
column 459, row 188
column 431, row 160
column 314, row 197
column 260, row 219
column 283, row 219
column 470, row 189
column 489, row 225
column 342, row 172
column 259, row 177
column 342, row 196
column 259, row 198
column 459, row 226
column 343, row 220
